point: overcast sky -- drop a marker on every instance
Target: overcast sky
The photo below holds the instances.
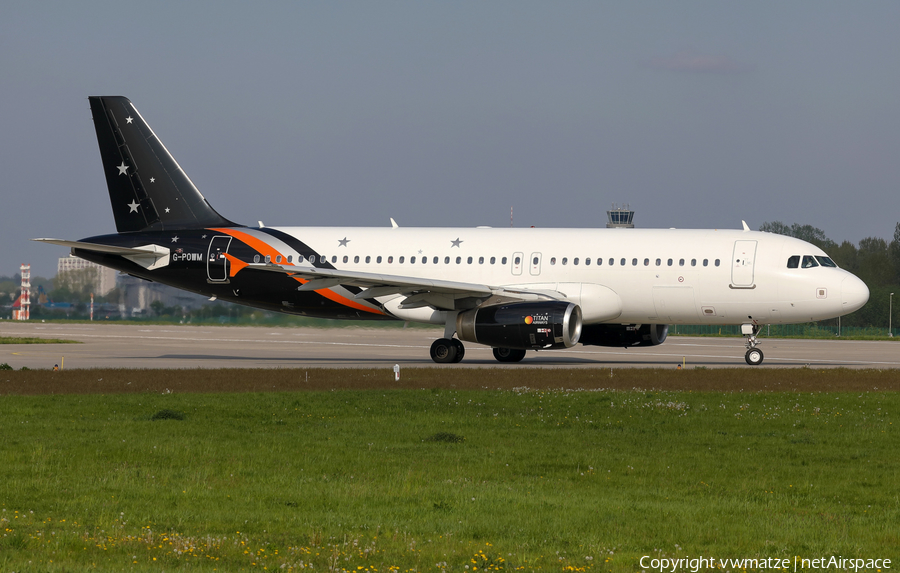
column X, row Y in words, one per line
column 697, row 114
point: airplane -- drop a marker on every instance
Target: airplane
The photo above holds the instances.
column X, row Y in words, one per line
column 513, row 289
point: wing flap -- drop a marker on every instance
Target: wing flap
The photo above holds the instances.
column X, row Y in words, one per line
column 387, row 284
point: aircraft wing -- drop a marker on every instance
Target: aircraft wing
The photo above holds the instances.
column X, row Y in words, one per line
column 419, row 292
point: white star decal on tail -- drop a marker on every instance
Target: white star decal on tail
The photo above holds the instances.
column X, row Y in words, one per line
column 175, row 239
column 133, row 206
column 129, row 119
column 167, row 209
column 123, row 169
column 152, row 179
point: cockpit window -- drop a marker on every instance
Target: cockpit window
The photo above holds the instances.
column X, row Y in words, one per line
column 794, row 262
column 809, row 262
column 826, row 262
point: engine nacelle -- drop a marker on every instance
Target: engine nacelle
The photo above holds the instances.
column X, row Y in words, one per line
column 524, row 325
column 624, row 335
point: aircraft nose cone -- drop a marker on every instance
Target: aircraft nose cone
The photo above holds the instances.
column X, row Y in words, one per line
column 854, row 294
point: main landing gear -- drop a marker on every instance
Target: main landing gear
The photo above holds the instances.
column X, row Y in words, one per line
column 754, row 356
column 447, row 350
column 509, row 354
column 451, row 350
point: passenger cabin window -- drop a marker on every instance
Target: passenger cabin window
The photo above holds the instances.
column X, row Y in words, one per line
column 534, row 261
column 390, row 259
column 575, row 261
column 368, row 259
column 469, row 260
column 446, row 260
column 705, row 262
column 434, row 260
column 646, row 262
column 412, row 260
column 400, row 260
column 809, row 262
column 680, row 262
column 587, row 261
column 565, row 261
column 622, row 262
column 658, row 262
column 693, row 262
column 794, row 262
column 378, row 259
column 717, row 262
column 552, row 260
column 255, row 258
column 268, row 258
column 480, row 260
column 493, row 260
column 334, row 258
column 599, row 261
column 634, row 262
column 356, row 259
column 503, row 261
column 458, row 260
column 669, row 262
column 612, row 262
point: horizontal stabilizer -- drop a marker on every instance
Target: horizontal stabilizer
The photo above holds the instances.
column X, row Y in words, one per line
column 148, row 256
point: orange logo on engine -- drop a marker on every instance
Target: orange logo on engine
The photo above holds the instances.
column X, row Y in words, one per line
column 529, row 320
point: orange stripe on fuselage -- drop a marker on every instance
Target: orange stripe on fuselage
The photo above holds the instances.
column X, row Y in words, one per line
column 264, row 248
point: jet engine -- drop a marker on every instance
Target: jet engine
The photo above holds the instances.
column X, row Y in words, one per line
column 624, row 335
column 524, row 325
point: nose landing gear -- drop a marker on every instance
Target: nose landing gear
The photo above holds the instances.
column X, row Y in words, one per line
column 754, row 355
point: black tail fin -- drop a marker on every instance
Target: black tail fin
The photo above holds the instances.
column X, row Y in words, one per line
column 147, row 188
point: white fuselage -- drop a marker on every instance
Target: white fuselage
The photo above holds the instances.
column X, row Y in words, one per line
column 619, row 276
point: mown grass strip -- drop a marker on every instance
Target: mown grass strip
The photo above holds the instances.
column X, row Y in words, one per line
column 27, row 340
column 365, row 480
column 122, row 380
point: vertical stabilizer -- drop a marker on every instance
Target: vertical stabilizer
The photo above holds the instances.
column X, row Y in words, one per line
column 148, row 190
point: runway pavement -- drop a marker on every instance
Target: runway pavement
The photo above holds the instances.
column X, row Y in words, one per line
column 143, row 346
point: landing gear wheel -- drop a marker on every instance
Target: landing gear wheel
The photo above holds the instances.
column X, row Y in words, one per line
column 460, row 350
column 754, row 357
column 509, row 354
column 443, row 351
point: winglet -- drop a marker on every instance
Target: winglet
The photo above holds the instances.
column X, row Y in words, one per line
column 744, row 223
column 394, row 223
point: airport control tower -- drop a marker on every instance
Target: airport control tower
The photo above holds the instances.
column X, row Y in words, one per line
column 620, row 217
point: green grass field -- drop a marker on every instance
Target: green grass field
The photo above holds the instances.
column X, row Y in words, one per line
column 443, row 479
